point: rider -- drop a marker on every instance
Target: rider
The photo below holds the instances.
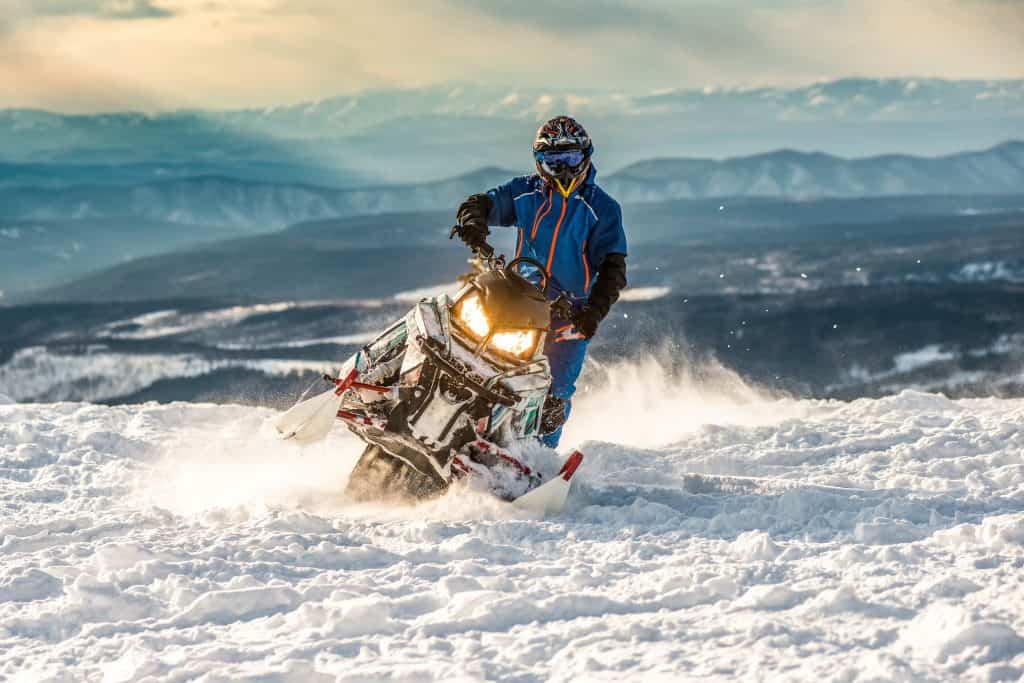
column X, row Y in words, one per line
column 571, row 225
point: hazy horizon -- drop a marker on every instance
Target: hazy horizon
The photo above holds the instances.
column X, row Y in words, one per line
column 568, row 93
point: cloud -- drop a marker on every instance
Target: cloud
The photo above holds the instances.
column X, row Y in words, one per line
column 106, row 9
column 230, row 53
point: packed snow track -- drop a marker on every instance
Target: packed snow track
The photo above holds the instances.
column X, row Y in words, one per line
column 726, row 536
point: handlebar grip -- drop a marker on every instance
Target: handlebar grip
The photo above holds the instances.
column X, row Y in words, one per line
column 484, row 249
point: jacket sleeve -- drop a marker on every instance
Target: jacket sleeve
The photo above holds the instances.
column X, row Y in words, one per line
column 607, row 248
column 608, row 236
column 503, row 210
column 611, row 280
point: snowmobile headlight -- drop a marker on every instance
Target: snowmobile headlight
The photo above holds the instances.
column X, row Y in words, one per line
column 519, row 343
column 471, row 313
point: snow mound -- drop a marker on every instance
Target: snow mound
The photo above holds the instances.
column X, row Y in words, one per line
column 749, row 538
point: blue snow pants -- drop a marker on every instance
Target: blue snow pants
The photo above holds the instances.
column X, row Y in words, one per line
column 566, row 360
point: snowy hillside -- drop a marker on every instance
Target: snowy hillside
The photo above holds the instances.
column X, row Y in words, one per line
column 714, row 532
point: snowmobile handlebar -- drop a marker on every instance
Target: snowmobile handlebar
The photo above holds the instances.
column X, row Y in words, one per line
column 483, row 249
column 531, row 262
column 560, row 306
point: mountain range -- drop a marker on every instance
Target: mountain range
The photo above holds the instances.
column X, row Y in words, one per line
column 405, row 135
column 799, row 175
column 263, row 206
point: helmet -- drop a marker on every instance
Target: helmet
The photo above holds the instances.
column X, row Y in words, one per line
column 562, row 151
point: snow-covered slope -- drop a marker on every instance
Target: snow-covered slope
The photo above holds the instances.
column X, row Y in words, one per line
column 715, row 533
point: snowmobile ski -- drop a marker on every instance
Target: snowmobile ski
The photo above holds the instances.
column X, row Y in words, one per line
column 309, row 421
column 551, row 496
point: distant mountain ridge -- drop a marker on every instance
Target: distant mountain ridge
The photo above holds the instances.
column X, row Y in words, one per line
column 803, row 175
column 441, row 130
column 255, row 206
column 69, row 175
column 786, row 174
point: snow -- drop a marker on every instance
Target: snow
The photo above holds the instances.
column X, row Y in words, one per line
column 414, row 295
column 171, row 321
column 927, row 355
column 989, row 271
column 36, row 373
column 645, row 293
column 728, row 534
column 354, row 338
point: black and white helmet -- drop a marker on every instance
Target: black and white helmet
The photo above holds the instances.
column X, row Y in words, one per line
column 562, row 151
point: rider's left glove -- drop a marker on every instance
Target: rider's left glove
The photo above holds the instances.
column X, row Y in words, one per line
column 472, row 218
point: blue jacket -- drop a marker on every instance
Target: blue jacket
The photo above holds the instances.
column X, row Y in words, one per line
column 570, row 236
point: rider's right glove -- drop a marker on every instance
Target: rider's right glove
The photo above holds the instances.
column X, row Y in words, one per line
column 472, row 219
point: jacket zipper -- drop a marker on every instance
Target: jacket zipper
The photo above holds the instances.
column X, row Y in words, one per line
column 554, row 236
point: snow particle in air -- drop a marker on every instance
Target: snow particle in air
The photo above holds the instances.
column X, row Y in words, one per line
column 803, row 275
column 721, row 276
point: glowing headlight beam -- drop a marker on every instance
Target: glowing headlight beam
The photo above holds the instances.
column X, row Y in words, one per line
column 518, row 343
column 515, row 342
column 471, row 312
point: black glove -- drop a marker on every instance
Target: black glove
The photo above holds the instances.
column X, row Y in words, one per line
column 472, row 219
column 611, row 279
column 586, row 320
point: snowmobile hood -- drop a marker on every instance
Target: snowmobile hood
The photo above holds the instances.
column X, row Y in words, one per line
column 512, row 302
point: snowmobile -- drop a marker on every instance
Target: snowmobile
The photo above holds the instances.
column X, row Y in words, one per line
column 447, row 390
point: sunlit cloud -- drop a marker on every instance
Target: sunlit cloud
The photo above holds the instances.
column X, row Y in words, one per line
column 106, row 9
column 84, row 55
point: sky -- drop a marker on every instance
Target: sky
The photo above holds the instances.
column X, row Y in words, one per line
column 151, row 55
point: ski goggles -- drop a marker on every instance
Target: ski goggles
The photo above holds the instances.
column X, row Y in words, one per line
column 555, row 161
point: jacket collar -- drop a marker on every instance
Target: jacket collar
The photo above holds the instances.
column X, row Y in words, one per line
column 589, row 180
